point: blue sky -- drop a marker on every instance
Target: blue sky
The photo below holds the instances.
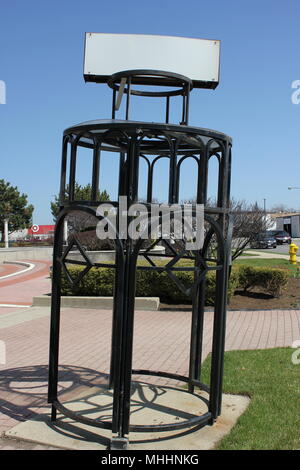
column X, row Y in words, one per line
column 41, row 63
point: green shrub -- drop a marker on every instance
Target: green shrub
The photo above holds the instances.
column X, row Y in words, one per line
column 149, row 283
column 272, row 280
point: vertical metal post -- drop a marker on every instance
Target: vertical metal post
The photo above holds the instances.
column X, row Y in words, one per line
column 72, row 171
column 113, row 108
column 183, row 109
column 96, row 172
column 128, row 97
column 167, row 109
column 63, row 171
column 227, row 226
column 117, row 351
column 128, row 311
column 150, row 183
column 187, row 104
column 55, row 317
column 117, row 319
column 196, row 335
column 125, row 332
column 172, row 174
column 226, row 280
column 218, row 337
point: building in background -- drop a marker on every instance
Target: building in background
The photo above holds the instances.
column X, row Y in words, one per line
column 38, row 232
column 288, row 221
column 18, row 235
column 41, row 232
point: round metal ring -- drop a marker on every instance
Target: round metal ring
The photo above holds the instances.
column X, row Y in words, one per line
column 172, row 79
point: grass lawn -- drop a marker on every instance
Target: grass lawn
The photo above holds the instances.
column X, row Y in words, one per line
column 247, row 254
column 272, row 419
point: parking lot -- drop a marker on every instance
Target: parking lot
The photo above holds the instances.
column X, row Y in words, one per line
column 281, row 249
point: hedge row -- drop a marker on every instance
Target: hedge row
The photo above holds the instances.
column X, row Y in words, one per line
column 100, row 282
column 271, row 280
column 149, row 283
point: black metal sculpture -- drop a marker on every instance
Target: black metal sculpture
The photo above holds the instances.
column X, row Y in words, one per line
column 131, row 141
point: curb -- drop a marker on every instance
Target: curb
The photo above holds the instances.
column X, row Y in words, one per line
column 106, row 303
column 28, row 267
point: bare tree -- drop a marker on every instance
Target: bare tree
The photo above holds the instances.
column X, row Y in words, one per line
column 282, row 208
column 248, row 220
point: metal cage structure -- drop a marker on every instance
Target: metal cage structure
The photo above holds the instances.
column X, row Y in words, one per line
column 131, row 142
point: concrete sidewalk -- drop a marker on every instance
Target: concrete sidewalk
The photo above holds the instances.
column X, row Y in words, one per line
column 264, row 254
column 161, row 342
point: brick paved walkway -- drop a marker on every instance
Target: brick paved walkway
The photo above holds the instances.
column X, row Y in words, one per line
column 22, row 288
column 161, row 342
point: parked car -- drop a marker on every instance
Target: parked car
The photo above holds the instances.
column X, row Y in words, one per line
column 263, row 240
column 281, row 236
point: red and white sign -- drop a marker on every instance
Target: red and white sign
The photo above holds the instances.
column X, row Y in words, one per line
column 41, row 230
column 35, row 228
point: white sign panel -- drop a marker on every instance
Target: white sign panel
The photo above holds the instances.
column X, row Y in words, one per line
column 197, row 59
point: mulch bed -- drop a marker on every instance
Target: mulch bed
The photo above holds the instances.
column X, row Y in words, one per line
column 257, row 299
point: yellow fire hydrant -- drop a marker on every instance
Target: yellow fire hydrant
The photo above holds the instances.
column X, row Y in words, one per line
column 292, row 252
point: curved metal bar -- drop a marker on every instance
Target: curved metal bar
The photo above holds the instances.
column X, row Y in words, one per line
column 67, row 140
column 221, row 145
column 81, row 419
column 195, row 421
column 146, row 159
column 174, row 79
column 209, row 236
column 72, row 178
column 99, row 126
column 143, row 77
column 121, row 132
column 192, row 422
column 150, row 176
column 174, row 376
column 179, row 163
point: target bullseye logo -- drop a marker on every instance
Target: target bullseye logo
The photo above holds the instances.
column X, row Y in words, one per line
column 35, row 228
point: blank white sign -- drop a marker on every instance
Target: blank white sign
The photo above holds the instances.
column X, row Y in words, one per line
column 197, row 59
